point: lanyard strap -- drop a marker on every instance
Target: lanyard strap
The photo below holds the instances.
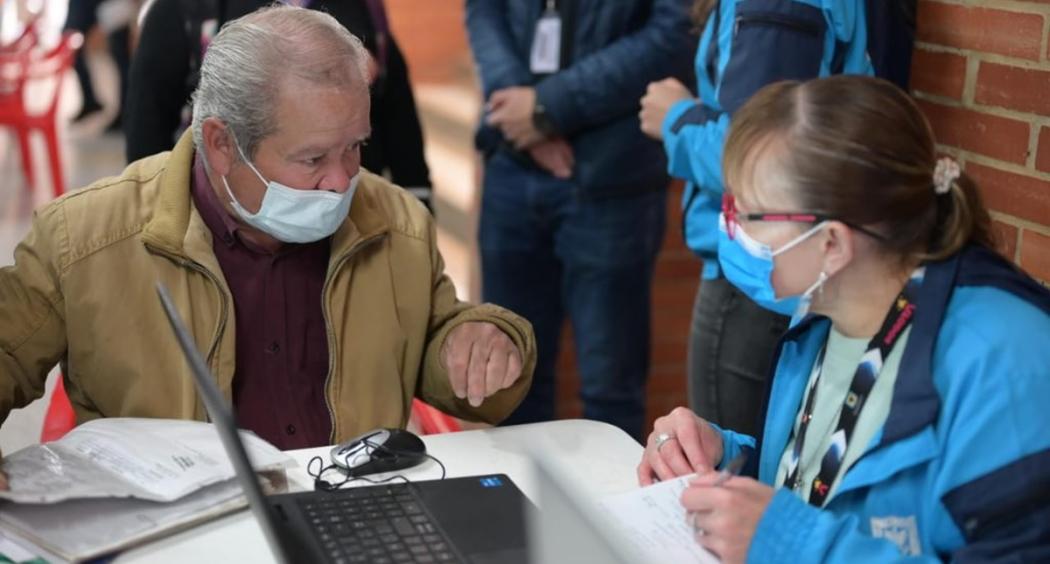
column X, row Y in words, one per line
column 897, row 320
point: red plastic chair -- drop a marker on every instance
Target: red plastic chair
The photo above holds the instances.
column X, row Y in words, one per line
column 19, row 68
column 25, row 42
column 60, row 418
column 431, row 420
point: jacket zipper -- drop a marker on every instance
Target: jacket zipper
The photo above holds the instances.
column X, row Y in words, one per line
column 184, row 262
column 777, row 20
column 330, row 330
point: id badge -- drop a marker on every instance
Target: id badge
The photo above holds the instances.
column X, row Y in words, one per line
column 546, row 43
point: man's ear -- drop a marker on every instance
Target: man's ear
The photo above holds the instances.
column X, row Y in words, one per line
column 218, row 147
column 838, row 247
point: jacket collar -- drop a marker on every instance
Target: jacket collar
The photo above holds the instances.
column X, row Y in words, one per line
column 177, row 228
column 916, row 401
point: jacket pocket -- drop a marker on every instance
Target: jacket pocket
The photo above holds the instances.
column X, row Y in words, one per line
column 773, row 40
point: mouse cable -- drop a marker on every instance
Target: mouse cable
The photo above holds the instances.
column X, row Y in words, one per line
column 324, row 485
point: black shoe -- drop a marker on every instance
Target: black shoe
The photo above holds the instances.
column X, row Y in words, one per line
column 86, row 110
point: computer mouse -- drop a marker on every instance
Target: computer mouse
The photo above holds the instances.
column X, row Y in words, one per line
column 381, row 450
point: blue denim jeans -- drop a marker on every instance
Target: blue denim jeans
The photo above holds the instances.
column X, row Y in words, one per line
column 546, row 254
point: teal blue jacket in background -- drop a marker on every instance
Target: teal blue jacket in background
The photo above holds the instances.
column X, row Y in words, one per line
column 745, row 45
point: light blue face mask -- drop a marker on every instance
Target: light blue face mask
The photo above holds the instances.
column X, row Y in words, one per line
column 295, row 216
column 748, row 265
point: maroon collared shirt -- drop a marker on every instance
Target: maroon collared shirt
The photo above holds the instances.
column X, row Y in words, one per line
column 282, row 343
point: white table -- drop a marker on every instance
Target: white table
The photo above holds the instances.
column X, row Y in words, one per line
column 602, row 459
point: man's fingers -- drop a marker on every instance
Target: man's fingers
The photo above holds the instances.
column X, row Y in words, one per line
column 513, row 368
column 3, row 482
column 495, row 370
column 496, row 116
column 562, row 154
column 476, row 373
column 497, row 99
column 562, row 169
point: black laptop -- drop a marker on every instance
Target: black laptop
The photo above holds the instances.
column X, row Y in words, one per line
column 475, row 519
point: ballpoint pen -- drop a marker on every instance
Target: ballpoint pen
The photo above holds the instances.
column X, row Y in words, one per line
column 732, row 469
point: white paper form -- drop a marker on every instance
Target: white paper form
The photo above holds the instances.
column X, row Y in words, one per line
column 151, row 459
column 653, row 521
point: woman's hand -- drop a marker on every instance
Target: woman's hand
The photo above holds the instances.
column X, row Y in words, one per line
column 681, row 443
column 726, row 516
column 658, row 99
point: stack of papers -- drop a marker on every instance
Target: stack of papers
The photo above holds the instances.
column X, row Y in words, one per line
column 113, row 483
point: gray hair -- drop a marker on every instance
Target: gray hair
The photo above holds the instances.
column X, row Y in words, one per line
column 245, row 64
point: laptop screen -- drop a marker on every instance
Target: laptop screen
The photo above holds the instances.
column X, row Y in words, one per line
column 223, row 421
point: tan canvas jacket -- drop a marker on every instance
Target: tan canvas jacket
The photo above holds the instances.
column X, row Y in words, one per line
column 82, row 292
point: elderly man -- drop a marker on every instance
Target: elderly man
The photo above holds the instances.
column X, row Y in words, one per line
column 313, row 287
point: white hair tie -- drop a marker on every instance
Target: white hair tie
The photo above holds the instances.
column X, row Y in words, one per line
column 945, row 175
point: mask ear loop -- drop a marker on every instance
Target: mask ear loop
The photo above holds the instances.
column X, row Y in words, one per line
column 807, row 297
column 794, row 242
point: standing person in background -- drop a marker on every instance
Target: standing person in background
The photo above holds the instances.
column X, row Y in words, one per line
column 83, row 16
column 166, row 61
column 574, row 196
column 745, row 45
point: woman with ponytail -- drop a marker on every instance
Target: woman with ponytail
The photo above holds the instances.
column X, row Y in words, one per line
column 906, row 414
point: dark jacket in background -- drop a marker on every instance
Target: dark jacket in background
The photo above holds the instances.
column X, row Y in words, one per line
column 161, row 83
column 616, row 48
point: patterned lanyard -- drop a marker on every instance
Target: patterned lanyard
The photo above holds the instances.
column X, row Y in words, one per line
column 893, row 326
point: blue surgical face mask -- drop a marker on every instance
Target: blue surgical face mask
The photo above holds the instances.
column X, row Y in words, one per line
column 295, row 216
column 748, row 265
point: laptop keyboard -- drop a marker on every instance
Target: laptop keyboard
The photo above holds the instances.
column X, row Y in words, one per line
column 378, row 525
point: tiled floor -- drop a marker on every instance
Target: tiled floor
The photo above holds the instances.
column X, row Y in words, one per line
column 447, row 110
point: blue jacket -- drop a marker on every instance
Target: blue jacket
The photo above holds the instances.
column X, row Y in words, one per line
column 746, row 45
column 961, row 467
column 617, row 48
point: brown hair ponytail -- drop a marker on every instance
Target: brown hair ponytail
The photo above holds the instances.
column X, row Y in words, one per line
column 962, row 219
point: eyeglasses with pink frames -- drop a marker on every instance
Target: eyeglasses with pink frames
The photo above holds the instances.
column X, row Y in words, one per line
column 733, row 217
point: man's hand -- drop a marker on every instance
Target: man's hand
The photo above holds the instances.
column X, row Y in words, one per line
column 3, row 482
column 481, row 360
column 658, row 99
column 511, row 110
column 681, row 443
column 555, row 156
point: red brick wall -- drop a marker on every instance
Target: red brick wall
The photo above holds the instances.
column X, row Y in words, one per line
column 982, row 75
column 433, row 38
